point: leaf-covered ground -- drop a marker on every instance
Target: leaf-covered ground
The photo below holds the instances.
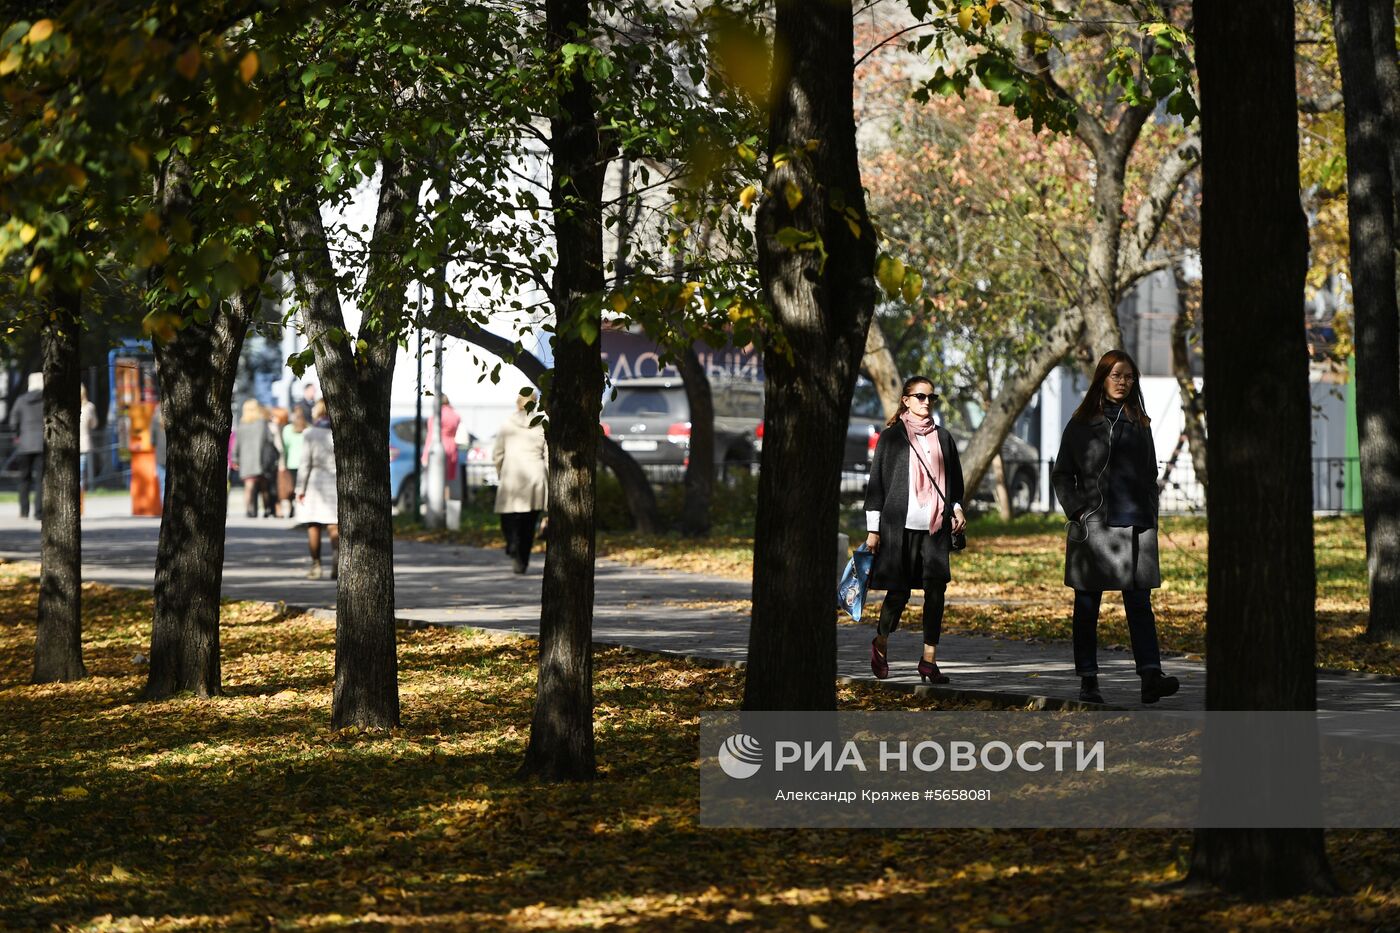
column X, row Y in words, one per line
column 246, row 812
column 1009, row 582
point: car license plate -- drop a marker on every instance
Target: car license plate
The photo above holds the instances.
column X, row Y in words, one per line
column 639, row 445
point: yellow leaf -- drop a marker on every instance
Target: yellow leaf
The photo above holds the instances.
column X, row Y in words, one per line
column 747, row 196
column 965, row 18
column 619, row 302
column 815, row 922
column 40, row 31
column 27, row 233
column 792, row 194
column 855, row 228
column 248, row 67
column 121, row 874
column 35, row 275
column 11, row 63
column 188, row 63
column 72, row 793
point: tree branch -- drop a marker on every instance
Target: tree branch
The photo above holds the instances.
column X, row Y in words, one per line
column 1153, row 210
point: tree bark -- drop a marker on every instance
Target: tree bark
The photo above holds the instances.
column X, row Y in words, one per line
column 641, row 498
column 356, row 384
column 881, row 367
column 561, row 730
column 700, row 470
column 822, row 308
column 1193, row 412
column 1371, row 217
column 1260, row 619
column 197, row 369
column 58, row 651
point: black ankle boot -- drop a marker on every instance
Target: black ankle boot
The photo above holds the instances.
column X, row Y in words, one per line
column 1155, row 686
column 1089, row 689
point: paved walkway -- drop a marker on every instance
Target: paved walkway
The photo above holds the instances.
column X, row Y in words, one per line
column 684, row 614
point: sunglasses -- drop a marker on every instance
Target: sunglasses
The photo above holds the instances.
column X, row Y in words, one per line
column 922, row 396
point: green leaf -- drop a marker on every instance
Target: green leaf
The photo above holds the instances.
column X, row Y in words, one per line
column 791, row 237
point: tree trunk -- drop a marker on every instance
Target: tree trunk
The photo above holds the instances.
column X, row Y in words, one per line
column 1260, row 618
column 1371, row 215
column 1193, row 412
column 881, row 367
column 356, row 385
column 197, row 369
column 561, row 730
column 1016, row 393
column 641, row 498
column 1100, row 300
column 822, row 308
column 1000, row 492
column 700, row 471
column 58, row 650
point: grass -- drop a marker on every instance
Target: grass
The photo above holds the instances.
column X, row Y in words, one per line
column 1009, row 583
column 247, row 812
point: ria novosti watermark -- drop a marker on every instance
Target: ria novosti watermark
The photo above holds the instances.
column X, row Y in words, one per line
column 1049, row 769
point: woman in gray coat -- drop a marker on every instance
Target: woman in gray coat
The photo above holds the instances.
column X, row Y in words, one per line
column 1106, row 480
column 913, row 507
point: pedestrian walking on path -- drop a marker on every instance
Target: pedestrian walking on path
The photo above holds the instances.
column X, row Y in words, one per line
column 1105, row 477
column 316, row 494
column 913, row 511
column 522, row 490
column 27, row 417
column 293, row 434
column 87, row 423
column 253, row 451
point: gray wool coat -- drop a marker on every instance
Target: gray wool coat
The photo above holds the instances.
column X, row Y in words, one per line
column 888, row 493
column 1099, row 556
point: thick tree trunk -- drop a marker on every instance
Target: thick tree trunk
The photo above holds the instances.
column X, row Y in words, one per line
column 881, row 368
column 1260, row 619
column 58, row 652
column 356, row 386
column 197, row 369
column 1371, row 215
column 641, row 498
column 1100, row 299
column 1016, row 394
column 561, row 730
column 700, row 471
column 1193, row 411
column 822, row 309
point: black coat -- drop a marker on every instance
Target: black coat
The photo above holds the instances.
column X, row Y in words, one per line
column 888, row 493
column 1099, row 556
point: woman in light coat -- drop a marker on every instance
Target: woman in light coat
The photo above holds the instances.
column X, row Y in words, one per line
column 316, row 494
column 521, row 493
column 1106, row 480
column 250, row 453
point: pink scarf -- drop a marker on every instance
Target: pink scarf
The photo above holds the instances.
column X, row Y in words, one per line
column 925, row 473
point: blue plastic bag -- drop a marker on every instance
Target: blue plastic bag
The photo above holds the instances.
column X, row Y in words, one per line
column 850, row 592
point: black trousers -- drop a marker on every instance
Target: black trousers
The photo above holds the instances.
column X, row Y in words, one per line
column 926, row 561
column 519, row 529
column 31, row 471
column 1142, row 631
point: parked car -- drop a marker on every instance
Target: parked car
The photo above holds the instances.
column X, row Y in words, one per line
column 650, row 419
column 471, row 451
column 1022, row 463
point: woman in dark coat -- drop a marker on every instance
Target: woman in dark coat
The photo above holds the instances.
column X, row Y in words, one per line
column 913, row 506
column 1106, row 479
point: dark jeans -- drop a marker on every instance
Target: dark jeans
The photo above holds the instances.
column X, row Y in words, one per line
column 31, row 471
column 896, row 600
column 519, row 529
column 1142, row 631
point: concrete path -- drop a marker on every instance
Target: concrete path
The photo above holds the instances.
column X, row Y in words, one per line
column 684, row 614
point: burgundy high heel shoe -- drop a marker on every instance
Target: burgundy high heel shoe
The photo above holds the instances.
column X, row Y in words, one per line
column 879, row 663
column 929, row 672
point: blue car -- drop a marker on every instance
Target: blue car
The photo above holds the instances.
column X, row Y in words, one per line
column 401, row 459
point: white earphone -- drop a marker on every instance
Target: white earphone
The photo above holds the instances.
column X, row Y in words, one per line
column 1084, row 519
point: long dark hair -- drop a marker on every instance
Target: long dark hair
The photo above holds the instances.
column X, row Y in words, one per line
column 1133, row 403
column 908, row 384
